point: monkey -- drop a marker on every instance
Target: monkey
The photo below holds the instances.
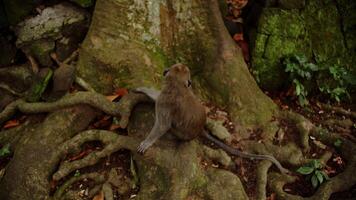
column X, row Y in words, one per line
column 180, row 112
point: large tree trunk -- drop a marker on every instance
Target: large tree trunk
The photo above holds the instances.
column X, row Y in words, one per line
column 130, row 42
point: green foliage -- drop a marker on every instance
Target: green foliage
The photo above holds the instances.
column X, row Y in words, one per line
column 39, row 87
column 77, row 173
column 333, row 81
column 5, row 150
column 300, row 70
column 339, row 79
column 338, row 142
column 314, row 171
column 301, row 93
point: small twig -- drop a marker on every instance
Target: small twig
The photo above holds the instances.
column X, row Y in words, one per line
column 34, row 65
column 71, row 57
column 84, row 84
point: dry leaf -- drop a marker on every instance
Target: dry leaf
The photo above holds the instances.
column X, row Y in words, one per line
column 11, row 123
column 114, row 127
column 121, row 92
column 99, row 196
column 112, row 97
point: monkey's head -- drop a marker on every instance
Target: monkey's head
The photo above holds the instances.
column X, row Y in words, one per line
column 179, row 73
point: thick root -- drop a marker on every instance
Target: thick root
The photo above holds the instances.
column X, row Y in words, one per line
column 96, row 177
column 123, row 108
column 112, row 143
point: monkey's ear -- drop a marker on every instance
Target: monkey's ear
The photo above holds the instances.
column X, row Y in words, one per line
column 189, row 83
column 165, row 72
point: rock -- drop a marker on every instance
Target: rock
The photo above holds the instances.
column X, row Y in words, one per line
column 63, row 78
column 3, row 18
column 41, row 49
column 16, row 10
column 5, row 99
column 18, row 78
column 314, row 31
column 7, row 51
column 84, row 3
column 291, row 4
column 62, row 24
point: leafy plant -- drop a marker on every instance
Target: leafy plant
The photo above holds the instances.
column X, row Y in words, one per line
column 336, row 87
column 301, row 93
column 38, row 88
column 314, row 171
column 333, row 81
column 338, row 142
column 299, row 71
column 77, row 173
column 5, row 150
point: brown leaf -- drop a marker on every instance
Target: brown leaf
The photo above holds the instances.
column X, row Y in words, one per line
column 80, row 155
column 103, row 122
column 121, row 92
column 11, row 123
column 272, row 197
column 99, row 196
column 112, row 97
column 114, row 127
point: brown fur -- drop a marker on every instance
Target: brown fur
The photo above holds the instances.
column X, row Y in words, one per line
column 179, row 100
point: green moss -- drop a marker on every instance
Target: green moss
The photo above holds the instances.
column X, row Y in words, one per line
column 313, row 31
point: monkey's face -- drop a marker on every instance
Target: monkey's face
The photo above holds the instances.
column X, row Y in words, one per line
column 179, row 73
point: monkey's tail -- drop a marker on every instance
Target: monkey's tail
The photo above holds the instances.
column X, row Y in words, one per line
column 236, row 152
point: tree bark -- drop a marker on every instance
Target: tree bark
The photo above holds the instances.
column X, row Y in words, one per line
column 130, row 43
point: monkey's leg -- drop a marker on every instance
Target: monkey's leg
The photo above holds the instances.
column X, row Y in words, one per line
column 150, row 92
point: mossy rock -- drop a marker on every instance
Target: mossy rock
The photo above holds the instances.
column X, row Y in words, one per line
column 7, row 51
column 16, row 10
column 84, row 3
column 280, row 33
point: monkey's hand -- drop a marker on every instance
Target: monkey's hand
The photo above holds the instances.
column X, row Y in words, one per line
column 144, row 145
column 150, row 92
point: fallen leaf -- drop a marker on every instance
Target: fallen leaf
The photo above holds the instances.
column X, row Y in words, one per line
column 272, row 197
column 99, row 196
column 80, row 155
column 103, row 122
column 114, row 127
column 53, row 184
column 121, row 92
column 11, row 123
column 112, row 97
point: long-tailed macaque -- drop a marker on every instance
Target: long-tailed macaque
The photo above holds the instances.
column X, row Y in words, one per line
column 180, row 112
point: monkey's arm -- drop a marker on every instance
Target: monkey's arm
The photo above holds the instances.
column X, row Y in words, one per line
column 162, row 125
column 150, row 92
column 236, row 152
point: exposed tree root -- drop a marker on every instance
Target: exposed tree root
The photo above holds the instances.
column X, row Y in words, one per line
column 340, row 182
column 339, row 110
column 262, row 176
column 96, row 177
column 167, row 157
column 95, row 100
column 112, row 143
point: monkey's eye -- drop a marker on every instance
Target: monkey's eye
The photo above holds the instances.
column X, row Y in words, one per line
column 189, row 83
